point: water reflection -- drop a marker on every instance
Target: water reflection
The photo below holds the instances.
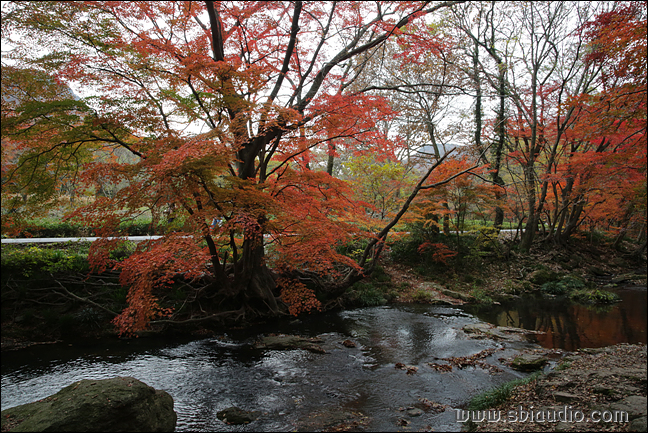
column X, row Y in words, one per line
column 287, row 387
column 572, row 326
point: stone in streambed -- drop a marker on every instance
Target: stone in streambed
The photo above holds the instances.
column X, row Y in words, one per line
column 529, row 362
column 236, row 416
column 108, row 405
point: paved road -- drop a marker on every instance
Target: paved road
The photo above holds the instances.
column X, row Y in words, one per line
column 131, row 238
column 63, row 240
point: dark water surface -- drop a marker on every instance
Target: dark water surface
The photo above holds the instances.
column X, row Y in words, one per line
column 572, row 326
column 291, row 388
column 296, row 389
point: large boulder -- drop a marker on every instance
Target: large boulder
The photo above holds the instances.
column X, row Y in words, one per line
column 109, row 405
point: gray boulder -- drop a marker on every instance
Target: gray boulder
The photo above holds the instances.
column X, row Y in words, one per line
column 109, row 405
column 529, row 362
column 635, row 405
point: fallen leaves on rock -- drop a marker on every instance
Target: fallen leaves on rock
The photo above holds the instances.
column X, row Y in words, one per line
column 440, row 367
column 470, row 361
column 594, row 379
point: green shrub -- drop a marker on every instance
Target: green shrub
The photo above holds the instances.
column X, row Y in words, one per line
column 542, row 276
column 596, row 296
column 354, row 249
column 89, row 317
column 55, row 228
column 123, row 251
column 563, row 286
column 422, row 295
column 372, row 297
column 406, row 251
column 481, row 296
column 564, row 365
column 119, row 295
column 32, row 260
column 51, row 228
column 553, row 288
column 482, row 241
column 379, row 275
column 366, row 294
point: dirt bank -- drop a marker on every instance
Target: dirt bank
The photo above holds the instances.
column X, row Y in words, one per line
column 605, row 379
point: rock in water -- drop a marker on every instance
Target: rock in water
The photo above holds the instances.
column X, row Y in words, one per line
column 109, row 405
column 234, row 415
column 529, row 362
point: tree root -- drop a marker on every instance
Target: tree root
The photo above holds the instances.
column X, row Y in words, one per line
column 240, row 312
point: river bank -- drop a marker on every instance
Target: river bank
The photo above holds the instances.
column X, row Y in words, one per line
column 608, row 380
column 485, row 280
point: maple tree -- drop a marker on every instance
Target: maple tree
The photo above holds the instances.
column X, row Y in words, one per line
column 221, row 104
column 37, row 112
column 547, row 76
column 592, row 153
column 606, row 168
column 456, row 197
column 269, row 131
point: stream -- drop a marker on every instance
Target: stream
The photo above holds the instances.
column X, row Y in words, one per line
column 306, row 391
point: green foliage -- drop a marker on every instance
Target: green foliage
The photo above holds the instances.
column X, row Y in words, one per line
column 123, row 251
column 380, row 276
column 482, row 241
column 422, row 296
column 542, row 276
column 55, row 228
column 366, row 294
column 354, row 249
column 89, row 317
column 120, row 295
column 374, row 290
column 564, row 365
column 563, row 286
column 481, row 296
column 500, row 394
column 513, row 287
column 406, row 251
column 596, row 296
column 377, row 182
column 599, row 237
column 32, row 260
column 428, row 254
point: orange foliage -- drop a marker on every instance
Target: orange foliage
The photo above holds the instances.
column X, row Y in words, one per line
column 150, row 268
column 297, row 296
column 441, row 252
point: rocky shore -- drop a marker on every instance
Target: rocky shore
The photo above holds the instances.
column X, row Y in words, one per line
column 610, row 380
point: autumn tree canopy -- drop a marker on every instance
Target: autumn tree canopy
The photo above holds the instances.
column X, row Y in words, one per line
column 268, row 134
column 221, row 103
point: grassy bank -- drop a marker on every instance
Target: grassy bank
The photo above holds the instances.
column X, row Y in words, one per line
column 48, row 293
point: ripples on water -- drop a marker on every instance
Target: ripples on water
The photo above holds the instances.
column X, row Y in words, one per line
column 287, row 387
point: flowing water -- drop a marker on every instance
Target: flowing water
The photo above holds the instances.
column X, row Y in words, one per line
column 297, row 389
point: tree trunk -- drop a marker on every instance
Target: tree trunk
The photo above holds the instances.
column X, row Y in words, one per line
column 499, row 145
column 331, row 159
column 532, row 222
